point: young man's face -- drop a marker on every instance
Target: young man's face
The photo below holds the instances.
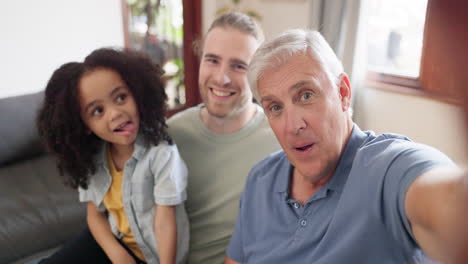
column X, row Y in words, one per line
column 223, row 82
column 107, row 107
column 308, row 114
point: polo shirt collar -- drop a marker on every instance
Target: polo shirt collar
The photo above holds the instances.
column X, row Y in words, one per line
column 340, row 176
column 284, row 174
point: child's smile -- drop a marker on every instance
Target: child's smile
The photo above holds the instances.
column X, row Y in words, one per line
column 108, row 108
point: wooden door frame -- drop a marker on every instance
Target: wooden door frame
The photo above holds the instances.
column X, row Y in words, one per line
column 192, row 15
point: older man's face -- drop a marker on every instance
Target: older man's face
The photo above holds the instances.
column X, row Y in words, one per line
column 307, row 113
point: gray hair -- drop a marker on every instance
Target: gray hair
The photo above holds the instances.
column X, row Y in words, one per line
column 278, row 50
column 235, row 20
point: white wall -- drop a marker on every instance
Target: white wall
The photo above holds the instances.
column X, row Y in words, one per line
column 38, row 36
column 423, row 120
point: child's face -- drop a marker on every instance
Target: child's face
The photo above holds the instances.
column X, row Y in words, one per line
column 108, row 108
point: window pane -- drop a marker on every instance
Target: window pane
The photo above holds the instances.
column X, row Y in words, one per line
column 156, row 27
column 395, row 33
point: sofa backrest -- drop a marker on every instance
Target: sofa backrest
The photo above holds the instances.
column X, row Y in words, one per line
column 18, row 134
column 37, row 212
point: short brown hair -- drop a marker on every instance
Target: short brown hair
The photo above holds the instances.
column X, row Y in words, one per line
column 235, row 20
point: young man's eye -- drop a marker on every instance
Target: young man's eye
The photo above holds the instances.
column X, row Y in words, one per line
column 121, row 98
column 211, row 60
column 239, row 67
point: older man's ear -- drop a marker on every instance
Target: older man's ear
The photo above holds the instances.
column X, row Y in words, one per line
column 344, row 89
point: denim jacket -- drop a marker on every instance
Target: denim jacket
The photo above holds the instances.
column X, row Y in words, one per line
column 153, row 175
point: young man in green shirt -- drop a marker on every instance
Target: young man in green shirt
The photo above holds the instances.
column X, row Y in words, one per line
column 221, row 139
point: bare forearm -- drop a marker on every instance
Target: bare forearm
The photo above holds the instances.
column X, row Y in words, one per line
column 459, row 230
column 102, row 233
column 166, row 233
column 437, row 207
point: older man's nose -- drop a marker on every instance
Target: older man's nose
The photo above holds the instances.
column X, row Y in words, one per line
column 295, row 123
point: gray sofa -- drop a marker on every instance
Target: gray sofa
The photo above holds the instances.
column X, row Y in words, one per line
column 37, row 212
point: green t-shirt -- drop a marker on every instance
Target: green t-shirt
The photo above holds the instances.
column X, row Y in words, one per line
column 218, row 165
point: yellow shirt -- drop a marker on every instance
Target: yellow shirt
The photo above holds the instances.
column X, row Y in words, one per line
column 114, row 204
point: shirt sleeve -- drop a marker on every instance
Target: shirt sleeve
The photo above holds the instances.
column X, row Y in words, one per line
column 408, row 161
column 170, row 174
column 235, row 248
column 88, row 196
column 84, row 195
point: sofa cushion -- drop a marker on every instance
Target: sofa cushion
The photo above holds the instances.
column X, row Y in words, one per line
column 37, row 211
column 18, row 133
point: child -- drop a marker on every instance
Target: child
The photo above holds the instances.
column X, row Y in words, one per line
column 104, row 120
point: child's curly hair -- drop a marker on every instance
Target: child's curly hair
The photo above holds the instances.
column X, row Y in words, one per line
column 59, row 122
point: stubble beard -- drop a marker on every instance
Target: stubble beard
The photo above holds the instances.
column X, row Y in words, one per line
column 234, row 110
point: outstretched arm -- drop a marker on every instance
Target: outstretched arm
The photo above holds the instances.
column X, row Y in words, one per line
column 437, row 207
column 102, row 233
column 165, row 227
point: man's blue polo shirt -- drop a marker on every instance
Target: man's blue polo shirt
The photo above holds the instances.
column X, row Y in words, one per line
column 357, row 217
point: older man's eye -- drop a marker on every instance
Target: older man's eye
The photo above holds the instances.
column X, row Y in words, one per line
column 275, row 108
column 306, row 96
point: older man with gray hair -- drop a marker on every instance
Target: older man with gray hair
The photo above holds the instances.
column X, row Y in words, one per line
column 335, row 193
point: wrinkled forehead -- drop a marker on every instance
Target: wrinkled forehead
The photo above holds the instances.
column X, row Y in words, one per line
column 297, row 67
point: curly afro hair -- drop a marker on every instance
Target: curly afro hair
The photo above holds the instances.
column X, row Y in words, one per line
column 65, row 134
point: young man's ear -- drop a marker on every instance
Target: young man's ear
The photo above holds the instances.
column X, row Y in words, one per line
column 344, row 89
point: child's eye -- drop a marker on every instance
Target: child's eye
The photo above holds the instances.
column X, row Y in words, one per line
column 97, row 111
column 121, row 98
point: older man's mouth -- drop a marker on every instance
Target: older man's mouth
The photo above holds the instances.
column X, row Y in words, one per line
column 304, row 148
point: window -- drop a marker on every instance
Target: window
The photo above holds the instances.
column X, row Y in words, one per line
column 395, row 34
column 441, row 67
